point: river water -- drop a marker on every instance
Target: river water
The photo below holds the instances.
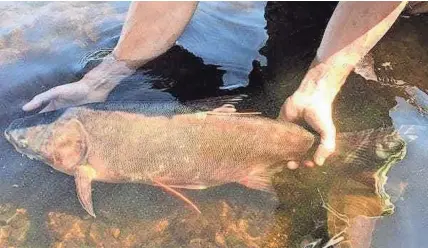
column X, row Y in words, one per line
column 45, row 44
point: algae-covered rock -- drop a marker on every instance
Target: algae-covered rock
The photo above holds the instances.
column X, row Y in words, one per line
column 67, row 230
column 14, row 226
column 104, row 235
column 221, row 225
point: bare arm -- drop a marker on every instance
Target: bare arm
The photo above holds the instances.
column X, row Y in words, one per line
column 354, row 29
column 150, row 29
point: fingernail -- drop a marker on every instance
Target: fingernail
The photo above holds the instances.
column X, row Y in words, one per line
column 320, row 161
column 292, row 165
column 309, row 164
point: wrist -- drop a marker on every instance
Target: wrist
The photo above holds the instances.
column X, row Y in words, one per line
column 107, row 75
column 323, row 80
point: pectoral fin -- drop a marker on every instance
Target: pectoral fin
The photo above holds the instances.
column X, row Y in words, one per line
column 83, row 177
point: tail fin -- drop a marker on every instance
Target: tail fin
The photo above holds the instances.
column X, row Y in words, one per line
column 369, row 149
column 365, row 157
column 356, row 197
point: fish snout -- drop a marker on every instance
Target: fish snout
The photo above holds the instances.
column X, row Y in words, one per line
column 17, row 137
column 24, row 139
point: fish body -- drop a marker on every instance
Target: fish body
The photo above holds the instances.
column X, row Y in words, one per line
column 167, row 144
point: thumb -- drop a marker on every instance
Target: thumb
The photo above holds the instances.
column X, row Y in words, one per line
column 40, row 99
column 288, row 112
column 327, row 144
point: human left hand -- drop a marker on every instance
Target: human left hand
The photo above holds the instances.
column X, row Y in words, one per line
column 317, row 112
column 312, row 102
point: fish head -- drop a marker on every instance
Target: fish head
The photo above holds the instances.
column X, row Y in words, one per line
column 27, row 136
column 56, row 141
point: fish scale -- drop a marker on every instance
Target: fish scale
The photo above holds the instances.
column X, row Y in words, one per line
column 142, row 144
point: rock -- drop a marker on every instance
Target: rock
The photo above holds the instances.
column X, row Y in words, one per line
column 115, row 232
column 221, row 225
column 103, row 235
column 14, row 226
column 68, row 230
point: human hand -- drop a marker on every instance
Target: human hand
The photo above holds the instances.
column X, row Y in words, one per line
column 93, row 87
column 317, row 112
column 312, row 102
column 66, row 95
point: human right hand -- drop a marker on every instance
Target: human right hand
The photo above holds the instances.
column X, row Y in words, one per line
column 316, row 110
column 93, row 87
column 66, row 95
column 312, row 102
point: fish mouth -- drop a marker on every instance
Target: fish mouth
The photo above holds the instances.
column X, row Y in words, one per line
column 12, row 126
column 16, row 137
column 23, row 149
column 7, row 136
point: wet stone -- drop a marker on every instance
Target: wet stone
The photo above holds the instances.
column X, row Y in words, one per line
column 67, row 230
column 115, row 232
column 200, row 243
column 14, row 226
column 220, row 225
column 102, row 235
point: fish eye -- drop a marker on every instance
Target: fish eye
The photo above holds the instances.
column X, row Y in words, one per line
column 22, row 141
column 24, row 144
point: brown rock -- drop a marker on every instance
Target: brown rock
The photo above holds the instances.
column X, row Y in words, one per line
column 14, row 226
column 68, row 230
column 4, row 236
column 101, row 235
column 146, row 234
column 115, row 232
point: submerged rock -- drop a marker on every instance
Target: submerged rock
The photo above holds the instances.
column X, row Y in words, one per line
column 14, row 226
column 220, row 225
column 67, row 230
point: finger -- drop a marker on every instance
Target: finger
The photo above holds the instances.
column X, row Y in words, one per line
column 288, row 112
column 33, row 104
column 51, row 106
column 292, row 165
column 327, row 144
column 40, row 99
column 309, row 163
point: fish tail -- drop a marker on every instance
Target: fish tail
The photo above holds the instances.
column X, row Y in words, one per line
column 365, row 157
column 373, row 147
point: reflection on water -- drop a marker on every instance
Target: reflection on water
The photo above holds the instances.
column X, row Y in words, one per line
column 242, row 35
column 42, row 45
column 407, row 183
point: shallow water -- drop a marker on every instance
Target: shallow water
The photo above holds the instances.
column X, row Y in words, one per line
column 42, row 45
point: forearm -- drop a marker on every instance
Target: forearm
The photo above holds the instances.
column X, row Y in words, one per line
column 354, row 29
column 150, row 29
